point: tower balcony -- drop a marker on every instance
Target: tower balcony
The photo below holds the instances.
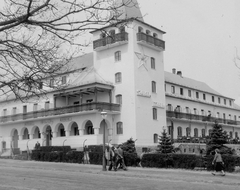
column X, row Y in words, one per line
column 200, row 118
column 150, row 41
column 110, row 41
column 73, row 109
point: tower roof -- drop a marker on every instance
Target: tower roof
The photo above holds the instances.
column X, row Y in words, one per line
column 129, row 10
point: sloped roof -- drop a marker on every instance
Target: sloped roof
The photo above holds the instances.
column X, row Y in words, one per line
column 130, row 10
column 190, row 83
column 89, row 76
column 80, row 62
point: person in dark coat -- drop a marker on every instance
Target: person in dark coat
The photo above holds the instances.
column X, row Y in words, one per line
column 112, row 159
column 120, row 158
column 218, row 163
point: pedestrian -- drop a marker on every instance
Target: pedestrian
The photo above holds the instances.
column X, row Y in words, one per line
column 112, row 159
column 86, row 155
column 141, row 156
column 120, row 158
column 218, row 163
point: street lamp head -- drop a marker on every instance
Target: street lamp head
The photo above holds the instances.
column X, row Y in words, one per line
column 104, row 114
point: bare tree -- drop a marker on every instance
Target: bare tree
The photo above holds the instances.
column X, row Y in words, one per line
column 34, row 35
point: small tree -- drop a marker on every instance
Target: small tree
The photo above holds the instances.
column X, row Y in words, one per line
column 218, row 138
column 129, row 146
column 165, row 143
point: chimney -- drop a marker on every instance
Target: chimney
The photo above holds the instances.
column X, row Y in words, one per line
column 174, row 71
column 179, row 73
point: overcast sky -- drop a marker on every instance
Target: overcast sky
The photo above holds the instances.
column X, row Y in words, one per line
column 201, row 39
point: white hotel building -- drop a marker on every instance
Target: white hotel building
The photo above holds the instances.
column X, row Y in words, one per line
column 124, row 76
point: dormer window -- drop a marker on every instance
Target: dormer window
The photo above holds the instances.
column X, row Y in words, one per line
column 112, row 33
column 155, row 35
column 103, row 35
column 140, row 29
column 64, row 79
column 122, row 29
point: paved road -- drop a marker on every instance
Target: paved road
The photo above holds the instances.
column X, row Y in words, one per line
column 31, row 175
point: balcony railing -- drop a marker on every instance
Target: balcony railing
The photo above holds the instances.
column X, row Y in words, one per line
column 189, row 116
column 110, row 40
column 61, row 111
column 151, row 40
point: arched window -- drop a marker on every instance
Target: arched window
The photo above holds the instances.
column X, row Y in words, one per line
column 209, row 132
column 154, row 87
column 188, row 132
column 140, row 29
column 74, row 129
column 155, row 138
column 236, row 135
column 179, row 131
column 61, row 131
column 148, row 32
column 154, row 113
column 117, row 56
column 122, row 29
column 153, row 66
column 89, row 128
column 25, row 134
column 231, row 134
column 119, row 99
column 118, row 77
column 119, row 126
column 155, row 35
column 195, row 132
column 112, row 33
column 203, row 132
column 103, row 35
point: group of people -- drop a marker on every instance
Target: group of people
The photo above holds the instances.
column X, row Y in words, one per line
column 115, row 157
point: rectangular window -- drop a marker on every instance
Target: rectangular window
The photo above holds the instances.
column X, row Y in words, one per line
column 225, row 101
column 51, row 83
column 155, row 113
column 235, row 118
column 204, row 96
column 40, row 85
column 35, row 106
column 154, row 87
column 152, row 63
column 14, row 110
column 212, row 98
column 181, row 91
column 189, row 93
column 25, row 109
column 118, row 77
column 64, row 79
column 230, row 102
column 4, row 112
column 119, row 128
column 47, row 105
column 197, row 95
column 169, row 107
column 173, row 89
column 119, row 99
column 117, row 55
column 219, row 100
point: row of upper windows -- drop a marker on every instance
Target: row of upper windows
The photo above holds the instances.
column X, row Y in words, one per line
column 197, row 95
column 203, row 112
column 148, row 32
column 117, row 57
column 111, row 33
column 196, row 133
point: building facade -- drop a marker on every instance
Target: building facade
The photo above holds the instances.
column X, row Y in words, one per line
column 123, row 76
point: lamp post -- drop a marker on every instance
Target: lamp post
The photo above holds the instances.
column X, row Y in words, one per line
column 104, row 115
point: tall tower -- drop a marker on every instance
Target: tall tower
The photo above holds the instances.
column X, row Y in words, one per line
column 131, row 57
